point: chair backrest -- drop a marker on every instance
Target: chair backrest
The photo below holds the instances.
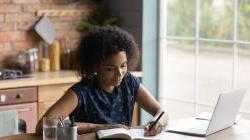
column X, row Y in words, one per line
column 8, row 122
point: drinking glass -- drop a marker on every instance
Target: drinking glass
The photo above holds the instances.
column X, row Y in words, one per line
column 49, row 128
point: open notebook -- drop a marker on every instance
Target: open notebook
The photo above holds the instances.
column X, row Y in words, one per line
column 134, row 134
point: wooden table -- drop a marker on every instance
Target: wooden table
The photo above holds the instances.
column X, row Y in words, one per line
column 31, row 136
column 241, row 131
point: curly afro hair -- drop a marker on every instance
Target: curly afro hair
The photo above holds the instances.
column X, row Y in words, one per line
column 102, row 42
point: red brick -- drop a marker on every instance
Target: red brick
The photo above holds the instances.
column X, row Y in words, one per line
column 70, row 43
column 67, row 34
column 31, row 35
column 24, row 26
column 18, row 46
column 34, row 7
column 62, row 43
column 73, row 43
column 7, row 58
column 20, row 17
column 88, row 7
column 63, row 2
column 1, row 17
column 68, row 18
column 61, row 25
column 17, row 18
column 52, row 1
column 26, row 1
column 5, row 47
column 74, row 25
column 10, row 8
column 66, row 25
column 3, row 56
column 62, row 7
column 5, row 1
column 7, row 26
column 71, row 7
column 12, row 36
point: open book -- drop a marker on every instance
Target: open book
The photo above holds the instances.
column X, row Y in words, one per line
column 134, row 134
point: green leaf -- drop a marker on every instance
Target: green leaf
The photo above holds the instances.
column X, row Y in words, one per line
column 99, row 17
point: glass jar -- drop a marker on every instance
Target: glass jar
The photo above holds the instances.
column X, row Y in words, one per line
column 66, row 58
column 21, row 60
column 43, row 57
column 43, row 51
column 30, row 61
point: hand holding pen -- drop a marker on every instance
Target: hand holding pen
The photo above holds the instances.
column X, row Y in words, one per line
column 157, row 125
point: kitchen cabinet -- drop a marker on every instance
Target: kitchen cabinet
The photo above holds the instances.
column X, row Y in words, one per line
column 49, row 94
column 24, row 101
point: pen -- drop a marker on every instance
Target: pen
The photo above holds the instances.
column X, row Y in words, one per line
column 158, row 118
column 72, row 121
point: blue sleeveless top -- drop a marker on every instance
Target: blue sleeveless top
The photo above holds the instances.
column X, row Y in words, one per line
column 95, row 105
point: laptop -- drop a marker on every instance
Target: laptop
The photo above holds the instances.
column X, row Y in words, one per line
column 223, row 116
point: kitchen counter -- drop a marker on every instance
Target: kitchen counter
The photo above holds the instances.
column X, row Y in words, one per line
column 46, row 78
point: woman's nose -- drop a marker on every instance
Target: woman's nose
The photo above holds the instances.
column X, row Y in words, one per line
column 119, row 72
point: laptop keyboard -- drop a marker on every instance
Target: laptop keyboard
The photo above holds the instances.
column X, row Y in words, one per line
column 191, row 126
column 199, row 129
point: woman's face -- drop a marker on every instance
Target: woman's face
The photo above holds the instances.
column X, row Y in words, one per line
column 112, row 70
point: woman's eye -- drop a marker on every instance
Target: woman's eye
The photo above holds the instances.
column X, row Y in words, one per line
column 110, row 69
column 123, row 66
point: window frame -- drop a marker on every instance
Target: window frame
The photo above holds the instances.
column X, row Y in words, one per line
column 164, row 37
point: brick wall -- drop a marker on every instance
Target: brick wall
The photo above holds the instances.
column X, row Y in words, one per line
column 18, row 17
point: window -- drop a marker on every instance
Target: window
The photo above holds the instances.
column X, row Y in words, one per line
column 204, row 50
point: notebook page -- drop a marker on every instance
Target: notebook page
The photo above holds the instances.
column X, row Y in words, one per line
column 139, row 134
column 114, row 133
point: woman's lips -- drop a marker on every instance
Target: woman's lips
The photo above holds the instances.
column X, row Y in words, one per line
column 117, row 80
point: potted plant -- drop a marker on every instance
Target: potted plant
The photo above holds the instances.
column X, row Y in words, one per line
column 99, row 17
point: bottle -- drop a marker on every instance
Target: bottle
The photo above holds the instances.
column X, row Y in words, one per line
column 66, row 58
column 55, row 56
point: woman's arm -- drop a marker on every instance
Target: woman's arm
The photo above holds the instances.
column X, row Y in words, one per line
column 149, row 103
column 63, row 107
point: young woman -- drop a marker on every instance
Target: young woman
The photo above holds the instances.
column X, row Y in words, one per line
column 105, row 96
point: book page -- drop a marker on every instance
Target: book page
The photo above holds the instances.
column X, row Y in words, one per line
column 138, row 134
column 114, row 133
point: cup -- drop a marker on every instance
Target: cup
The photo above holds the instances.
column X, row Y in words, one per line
column 67, row 133
column 44, row 64
column 49, row 128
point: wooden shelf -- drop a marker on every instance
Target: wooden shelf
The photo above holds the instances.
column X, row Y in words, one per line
column 60, row 13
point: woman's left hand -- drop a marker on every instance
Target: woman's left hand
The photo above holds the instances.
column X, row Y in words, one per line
column 158, row 127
